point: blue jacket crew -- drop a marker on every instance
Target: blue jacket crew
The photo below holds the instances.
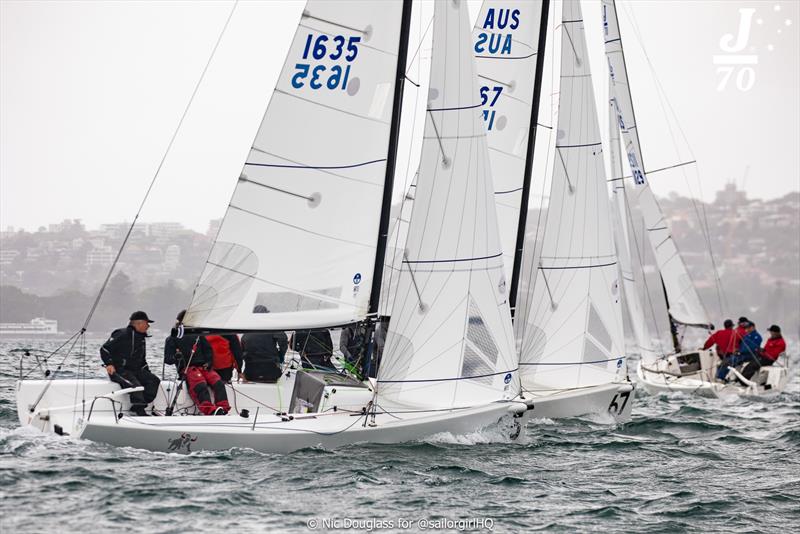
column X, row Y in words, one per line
column 749, row 348
column 124, row 356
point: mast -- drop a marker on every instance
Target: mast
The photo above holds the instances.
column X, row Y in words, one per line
column 526, row 179
column 391, row 159
column 673, row 326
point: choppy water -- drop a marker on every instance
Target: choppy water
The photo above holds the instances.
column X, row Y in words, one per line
column 681, row 464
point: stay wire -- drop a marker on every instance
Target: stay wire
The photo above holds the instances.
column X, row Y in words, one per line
column 157, row 172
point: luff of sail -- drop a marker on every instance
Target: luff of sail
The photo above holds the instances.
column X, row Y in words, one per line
column 299, row 236
column 505, row 41
column 622, row 242
column 450, row 340
column 685, row 306
column 570, row 321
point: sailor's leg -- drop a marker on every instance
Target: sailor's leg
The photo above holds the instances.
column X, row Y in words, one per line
column 150, row 383
column 198, row 390
column 127, row 379
column 218, row 385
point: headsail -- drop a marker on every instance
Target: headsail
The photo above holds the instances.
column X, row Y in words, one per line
column 450, row 340
column 685, row 306
column 621, row 218
column 299, row 236
column 570, row 322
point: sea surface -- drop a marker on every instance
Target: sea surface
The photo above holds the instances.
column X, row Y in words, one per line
column 682, row 464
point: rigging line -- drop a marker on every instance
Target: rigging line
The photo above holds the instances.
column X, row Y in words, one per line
column 457, row 108
column 158, row 170
column 648, row 173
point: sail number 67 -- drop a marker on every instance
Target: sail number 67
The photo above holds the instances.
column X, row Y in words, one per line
column 614, row 407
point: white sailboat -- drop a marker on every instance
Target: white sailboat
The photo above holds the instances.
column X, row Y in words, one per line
column 568, row 318
column 690, row 371
column 449, row 363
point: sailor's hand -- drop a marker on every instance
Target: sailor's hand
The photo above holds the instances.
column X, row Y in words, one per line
column 110, row 369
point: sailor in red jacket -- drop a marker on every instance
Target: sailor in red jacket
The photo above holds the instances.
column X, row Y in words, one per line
column 725, row 340
column 774, row 347
column 741, row 331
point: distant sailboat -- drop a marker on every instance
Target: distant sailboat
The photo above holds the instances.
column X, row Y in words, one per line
column 680, row 371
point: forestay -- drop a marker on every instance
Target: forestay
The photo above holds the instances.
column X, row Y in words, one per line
column 450, row 341
column 300, row 233
column 505, row 40
column 571, row 322
column 684, row 303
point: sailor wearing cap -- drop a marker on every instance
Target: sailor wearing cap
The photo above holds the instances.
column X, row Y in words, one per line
column 124, row 356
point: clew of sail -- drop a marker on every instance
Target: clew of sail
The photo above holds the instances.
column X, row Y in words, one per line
column 298, row 240
column 570, row 322
column 450, row 340
column 685, row 306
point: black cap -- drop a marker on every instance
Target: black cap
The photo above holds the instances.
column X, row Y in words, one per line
column 743, row 320
column 140, row 316
column 774, row 328
column 728, row 323
column 260, row 308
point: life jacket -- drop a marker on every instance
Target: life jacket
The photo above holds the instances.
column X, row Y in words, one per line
column 222, row 355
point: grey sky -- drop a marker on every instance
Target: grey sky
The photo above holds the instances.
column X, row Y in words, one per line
column 90, row 93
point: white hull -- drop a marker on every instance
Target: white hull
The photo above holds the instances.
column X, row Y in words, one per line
column 67, row 402
column 615, row 399
column 273, row 434
column 671, row 376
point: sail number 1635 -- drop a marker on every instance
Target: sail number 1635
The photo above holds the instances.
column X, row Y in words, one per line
column 337, row 48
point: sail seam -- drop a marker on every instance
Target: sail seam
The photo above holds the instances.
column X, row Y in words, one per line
column 456, row 259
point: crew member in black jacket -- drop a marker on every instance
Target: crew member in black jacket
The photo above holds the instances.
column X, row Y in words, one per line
column 193, row 358
column 263, row 355
column 124, row 356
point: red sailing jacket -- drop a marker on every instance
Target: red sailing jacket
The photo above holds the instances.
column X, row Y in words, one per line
column 773, row 348
column 726, row 341
column 223, row 356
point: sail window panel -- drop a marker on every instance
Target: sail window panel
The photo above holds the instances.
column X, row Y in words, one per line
column 594, row 355
column 474, row 365
column 479, row 335
column 597, row 329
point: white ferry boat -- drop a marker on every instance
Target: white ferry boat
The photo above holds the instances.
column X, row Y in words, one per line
column 37, row 327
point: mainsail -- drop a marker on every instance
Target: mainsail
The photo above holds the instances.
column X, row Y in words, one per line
column 298, row 240
column 450, row 340
column 685, row 306
column 570, row 322
column 505, row 42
